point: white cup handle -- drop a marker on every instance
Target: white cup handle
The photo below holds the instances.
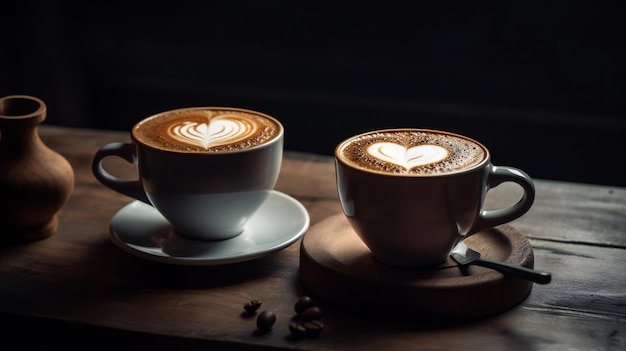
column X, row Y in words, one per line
column 497, row 176
column 132, row 188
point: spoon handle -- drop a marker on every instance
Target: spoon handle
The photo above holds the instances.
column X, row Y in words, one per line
column 522, row 272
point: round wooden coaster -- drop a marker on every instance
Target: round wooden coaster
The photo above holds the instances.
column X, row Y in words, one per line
column 336, row 267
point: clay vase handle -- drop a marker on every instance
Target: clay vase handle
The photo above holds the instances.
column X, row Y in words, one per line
column 132, row 188
column 498, row 175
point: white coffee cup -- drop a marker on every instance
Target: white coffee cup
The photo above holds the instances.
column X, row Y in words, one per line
column 207, row 170
column 411, row 195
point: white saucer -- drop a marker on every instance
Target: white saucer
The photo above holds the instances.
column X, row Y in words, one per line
column 141, row 230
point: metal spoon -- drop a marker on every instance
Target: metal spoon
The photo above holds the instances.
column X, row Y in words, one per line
column 466, row 256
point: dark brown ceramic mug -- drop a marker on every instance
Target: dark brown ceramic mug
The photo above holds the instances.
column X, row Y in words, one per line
column 411, row 195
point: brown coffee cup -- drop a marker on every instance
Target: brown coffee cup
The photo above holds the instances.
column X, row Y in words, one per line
column 412, row 194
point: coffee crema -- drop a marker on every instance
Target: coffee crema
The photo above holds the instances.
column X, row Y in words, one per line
column 411, row 152
column 203, row 130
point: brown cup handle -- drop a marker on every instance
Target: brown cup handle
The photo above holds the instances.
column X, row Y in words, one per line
column 497, row 176
column 132, row 188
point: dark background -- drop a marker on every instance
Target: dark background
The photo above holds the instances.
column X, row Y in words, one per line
column 540, row 83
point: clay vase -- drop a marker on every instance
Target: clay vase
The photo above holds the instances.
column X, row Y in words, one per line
column 35, row 181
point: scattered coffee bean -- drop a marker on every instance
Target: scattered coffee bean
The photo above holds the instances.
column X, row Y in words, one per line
column 307, row 321
column 252, row 306
column 313, row 328
column 312, row 313
column 303, row 303
column 265, row 321
column 298, row 330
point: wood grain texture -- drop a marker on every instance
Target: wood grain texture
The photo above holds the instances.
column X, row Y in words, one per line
column 336, row 266
column 76, row 288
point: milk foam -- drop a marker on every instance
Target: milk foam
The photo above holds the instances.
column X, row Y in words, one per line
column 222, row 130
column 201, row 130
column 407, row 151
column 408, row 158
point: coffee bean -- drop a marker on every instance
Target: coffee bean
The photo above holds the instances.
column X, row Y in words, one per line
column 303, row 303
column 252, row 306
column 312, row 313
column 313, row 328
column 298, row 330
column 265, row 321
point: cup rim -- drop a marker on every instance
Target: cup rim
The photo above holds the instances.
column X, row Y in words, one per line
column 486, row 160
column 276, row 139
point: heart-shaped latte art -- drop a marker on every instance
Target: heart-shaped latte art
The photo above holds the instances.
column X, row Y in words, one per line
column 221, row 130
column 408, row 158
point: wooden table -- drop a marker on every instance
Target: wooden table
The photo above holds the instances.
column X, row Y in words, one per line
column 76, row 289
